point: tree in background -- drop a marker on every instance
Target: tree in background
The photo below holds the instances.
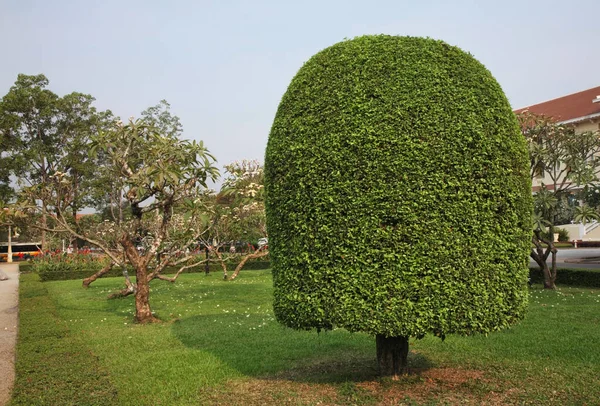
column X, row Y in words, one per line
column 397, row 195
column 42, row 132
column 10, row 218
column 27, row 121
column 563, row 162
column 6, row 168
column 238, row 214
column 160, row 175
column 160, row 117
column 78, row 123
column 21, row 224
column 590, row 194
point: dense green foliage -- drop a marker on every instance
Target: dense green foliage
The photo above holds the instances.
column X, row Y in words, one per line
column 398, row 196
column 41, row 132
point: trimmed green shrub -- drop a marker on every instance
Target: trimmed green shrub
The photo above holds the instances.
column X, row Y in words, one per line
column 589, row 278
column 63, row 267
column 397, row 193
column 58, row 268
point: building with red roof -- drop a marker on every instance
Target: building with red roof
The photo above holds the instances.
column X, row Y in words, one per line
column 581, row 109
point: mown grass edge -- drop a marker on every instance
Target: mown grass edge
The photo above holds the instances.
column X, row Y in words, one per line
column 52, row 365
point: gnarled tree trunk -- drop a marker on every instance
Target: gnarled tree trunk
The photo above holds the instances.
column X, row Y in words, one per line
column 392, row 355
column 143, row 313
column 540, row 256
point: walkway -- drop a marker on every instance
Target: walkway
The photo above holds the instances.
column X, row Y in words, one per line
column 9, row 300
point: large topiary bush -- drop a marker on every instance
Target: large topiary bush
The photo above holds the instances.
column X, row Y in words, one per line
column 398, row 196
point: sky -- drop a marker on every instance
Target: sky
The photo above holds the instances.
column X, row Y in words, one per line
column 224, row 65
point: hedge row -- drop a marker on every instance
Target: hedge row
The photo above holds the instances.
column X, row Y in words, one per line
column 588, row 244
column 62, row 273
column 566, row 276
column 570, row 276
column 62, row 267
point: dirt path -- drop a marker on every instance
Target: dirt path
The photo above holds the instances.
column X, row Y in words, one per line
column 9, row 300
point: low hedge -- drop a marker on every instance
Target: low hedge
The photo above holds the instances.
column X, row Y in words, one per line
column 558, row 245
column 62, row 267
column 570, row 276
column 59, row 268
column 588, row 244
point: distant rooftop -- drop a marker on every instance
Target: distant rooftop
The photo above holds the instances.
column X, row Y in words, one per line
column 571, row 108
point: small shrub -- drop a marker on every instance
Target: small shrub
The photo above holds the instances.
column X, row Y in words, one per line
column 63, row 267
column 563, row 235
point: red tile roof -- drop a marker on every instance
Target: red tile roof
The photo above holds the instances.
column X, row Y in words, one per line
column 571, row 107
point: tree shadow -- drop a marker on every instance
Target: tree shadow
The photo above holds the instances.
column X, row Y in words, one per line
column 275, row 352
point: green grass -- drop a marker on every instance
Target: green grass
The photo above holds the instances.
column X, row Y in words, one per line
column 25, row 266
column 53, row 365
column 218, row 343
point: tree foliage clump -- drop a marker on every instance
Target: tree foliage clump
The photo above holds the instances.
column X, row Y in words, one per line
column 40, row 133
column 397, row 193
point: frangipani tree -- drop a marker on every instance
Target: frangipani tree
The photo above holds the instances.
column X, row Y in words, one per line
column 159, row 175
column 562, row 162
column 238, row 213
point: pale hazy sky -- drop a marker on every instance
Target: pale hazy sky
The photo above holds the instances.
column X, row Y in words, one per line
column 224, row 65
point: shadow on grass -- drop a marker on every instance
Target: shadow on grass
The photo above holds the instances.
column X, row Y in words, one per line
column 275, row 352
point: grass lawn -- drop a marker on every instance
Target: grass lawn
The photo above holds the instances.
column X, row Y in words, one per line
column 219, row 344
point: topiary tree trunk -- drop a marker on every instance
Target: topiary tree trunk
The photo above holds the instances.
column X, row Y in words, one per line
column 392, row 355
